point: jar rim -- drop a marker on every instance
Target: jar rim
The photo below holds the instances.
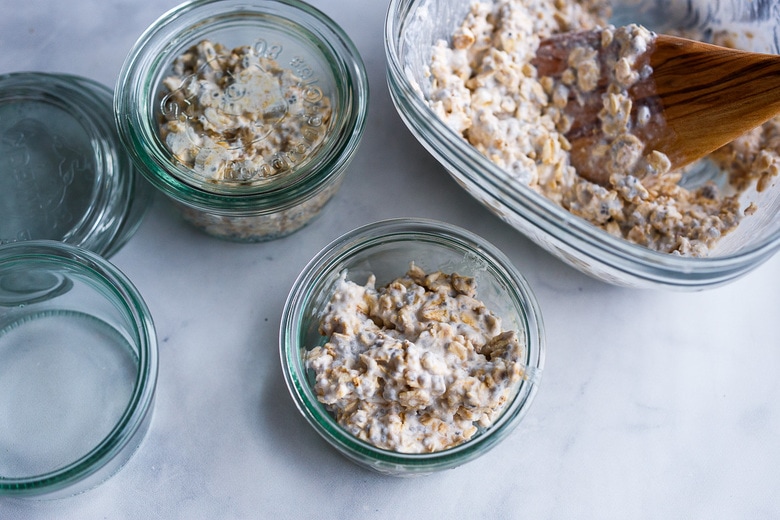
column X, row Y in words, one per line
column 151, row 56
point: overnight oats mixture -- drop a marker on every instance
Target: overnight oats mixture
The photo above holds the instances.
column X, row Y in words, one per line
column 238, row 115
column 239, row 119
column 486, row 87
column 416, row 366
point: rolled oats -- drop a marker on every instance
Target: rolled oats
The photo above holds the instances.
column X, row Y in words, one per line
column 418, row 365
column 519, row 124
column 238, row 115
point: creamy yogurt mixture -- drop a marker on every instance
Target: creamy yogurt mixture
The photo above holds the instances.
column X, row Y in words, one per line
column 486, row 88
column 416, row 366
column 238, row 115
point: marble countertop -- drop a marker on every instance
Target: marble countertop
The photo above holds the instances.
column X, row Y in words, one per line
column 653, row 403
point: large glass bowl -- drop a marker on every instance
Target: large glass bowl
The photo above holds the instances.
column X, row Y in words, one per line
column 413, row 26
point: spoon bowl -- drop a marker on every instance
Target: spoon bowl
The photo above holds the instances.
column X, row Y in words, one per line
column 690, row 97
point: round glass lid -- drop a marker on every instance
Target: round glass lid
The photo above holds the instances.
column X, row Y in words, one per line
column 63, row 175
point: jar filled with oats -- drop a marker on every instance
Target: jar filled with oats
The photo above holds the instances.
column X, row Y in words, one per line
column 412, row 346
column 245, row 114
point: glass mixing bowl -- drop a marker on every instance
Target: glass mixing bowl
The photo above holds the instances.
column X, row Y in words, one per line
column 413, row 26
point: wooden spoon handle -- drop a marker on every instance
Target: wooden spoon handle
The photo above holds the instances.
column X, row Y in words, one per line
column 710, row 95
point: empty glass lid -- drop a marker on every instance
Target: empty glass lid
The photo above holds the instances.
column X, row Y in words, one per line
column 63, row 174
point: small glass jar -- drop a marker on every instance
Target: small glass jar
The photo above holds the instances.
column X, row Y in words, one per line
column 63, row 171
column 78, row 369
column 253, row 148
column 385, row 249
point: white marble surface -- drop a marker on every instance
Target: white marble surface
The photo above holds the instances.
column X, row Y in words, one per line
column 653, row 404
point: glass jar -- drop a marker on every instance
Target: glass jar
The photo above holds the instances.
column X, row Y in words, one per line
column 385, row 249
column 78, row 369
column 253, row 147
column 63, row 172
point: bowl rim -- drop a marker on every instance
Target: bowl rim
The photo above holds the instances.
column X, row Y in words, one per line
column 365, row 238
column 575, row 233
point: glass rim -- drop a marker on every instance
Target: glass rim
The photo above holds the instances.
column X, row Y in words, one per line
column 447, row 236
column 571, row 233
column 138, row 409
column 139, row 131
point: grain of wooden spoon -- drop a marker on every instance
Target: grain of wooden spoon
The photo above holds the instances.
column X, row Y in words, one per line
column 701, row 96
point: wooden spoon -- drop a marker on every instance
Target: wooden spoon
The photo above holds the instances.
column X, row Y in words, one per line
column 701, row 97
